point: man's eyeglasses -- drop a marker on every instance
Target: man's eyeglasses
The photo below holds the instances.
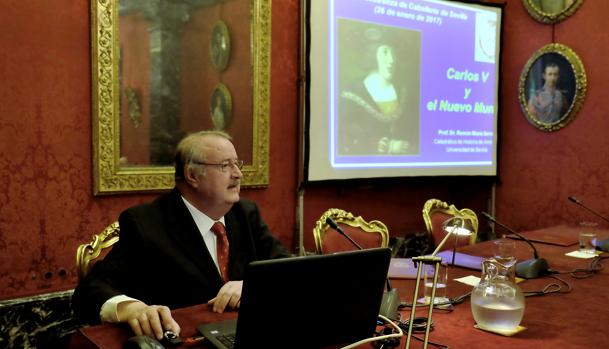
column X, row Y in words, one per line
column 224, row 166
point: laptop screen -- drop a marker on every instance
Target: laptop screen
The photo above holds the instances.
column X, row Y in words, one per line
column 313, row 301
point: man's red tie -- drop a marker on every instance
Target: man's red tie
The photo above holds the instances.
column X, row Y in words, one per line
column 221, row 249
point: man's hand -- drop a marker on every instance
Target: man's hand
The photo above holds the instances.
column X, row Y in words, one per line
column 149, row 320
column 229, row 295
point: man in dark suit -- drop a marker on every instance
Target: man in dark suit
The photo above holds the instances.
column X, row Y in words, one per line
column 170, row 253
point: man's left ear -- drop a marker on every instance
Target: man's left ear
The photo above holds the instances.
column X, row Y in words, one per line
column 190, row 177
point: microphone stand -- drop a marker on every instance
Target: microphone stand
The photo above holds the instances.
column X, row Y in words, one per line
column 335, row 226
column 574, row 200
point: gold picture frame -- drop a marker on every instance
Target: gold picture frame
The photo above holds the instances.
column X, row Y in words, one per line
column 551, row 11
column 552, row 87
column 111, row 174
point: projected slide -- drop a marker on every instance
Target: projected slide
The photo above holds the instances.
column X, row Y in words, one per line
column 411, row 87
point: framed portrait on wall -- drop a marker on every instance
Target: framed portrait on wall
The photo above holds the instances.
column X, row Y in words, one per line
column 551, row 11
column 552, row 87
column 155, row 66
column 221, row 107
column 219, row 47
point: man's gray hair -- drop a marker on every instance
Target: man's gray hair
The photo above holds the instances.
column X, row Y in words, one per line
column 185, row 151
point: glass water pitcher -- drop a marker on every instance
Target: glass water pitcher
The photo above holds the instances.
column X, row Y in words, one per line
column 497, row 302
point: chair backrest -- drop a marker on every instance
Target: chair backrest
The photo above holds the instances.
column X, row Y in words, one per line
column 366, row 234
column 436, row 212
column 88, row 254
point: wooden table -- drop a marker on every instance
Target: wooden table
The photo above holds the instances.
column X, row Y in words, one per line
column 579, row 319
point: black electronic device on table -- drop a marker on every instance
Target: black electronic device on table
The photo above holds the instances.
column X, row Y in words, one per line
column 306, row 302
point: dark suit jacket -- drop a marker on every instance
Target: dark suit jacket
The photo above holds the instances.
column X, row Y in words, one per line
column 161, row 257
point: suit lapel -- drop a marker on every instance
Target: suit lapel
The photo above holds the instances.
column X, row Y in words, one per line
column 184, row 232
column 233, row 232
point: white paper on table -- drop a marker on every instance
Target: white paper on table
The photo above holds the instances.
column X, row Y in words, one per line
column 584, row 255
column 469, row 280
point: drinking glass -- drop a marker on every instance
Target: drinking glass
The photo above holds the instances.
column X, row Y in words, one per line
column 441, row 296
column 587, row 237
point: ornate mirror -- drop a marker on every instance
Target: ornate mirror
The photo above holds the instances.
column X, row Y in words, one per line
column 551, row 11
column 552, row 87
column 165, row 68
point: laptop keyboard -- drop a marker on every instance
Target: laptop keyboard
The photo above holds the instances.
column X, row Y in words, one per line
column 228, row 340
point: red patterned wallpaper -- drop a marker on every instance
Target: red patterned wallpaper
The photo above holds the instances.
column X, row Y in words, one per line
column 540, row 170
column 46, row 205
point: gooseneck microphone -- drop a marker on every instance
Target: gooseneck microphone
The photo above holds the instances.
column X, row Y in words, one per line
column 492, row 219
column 528, row 269
column 391, row 298
column 574, row 200
column 600, row 244
column 335, row 226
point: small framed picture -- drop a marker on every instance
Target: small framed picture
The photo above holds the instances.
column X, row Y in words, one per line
column 221, row 107
column 219, row 48
column 552, row 87
column 551, row 11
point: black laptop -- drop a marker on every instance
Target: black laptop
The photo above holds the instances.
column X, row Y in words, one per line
column 306, row 302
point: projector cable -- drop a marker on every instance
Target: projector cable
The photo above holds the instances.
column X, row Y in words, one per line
column 397, row 334
column 594, row 267
column 550, row 288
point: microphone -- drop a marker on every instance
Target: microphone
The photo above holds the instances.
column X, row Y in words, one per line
column 335, row 226
column 391, row 298
column 600, row 244
column 528, row 269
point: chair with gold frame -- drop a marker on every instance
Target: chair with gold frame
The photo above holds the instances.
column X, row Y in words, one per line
column 88, row 254
column 366, row 234
column 436, row 212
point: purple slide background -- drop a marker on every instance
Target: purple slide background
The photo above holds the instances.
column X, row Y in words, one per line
column 442, row 47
